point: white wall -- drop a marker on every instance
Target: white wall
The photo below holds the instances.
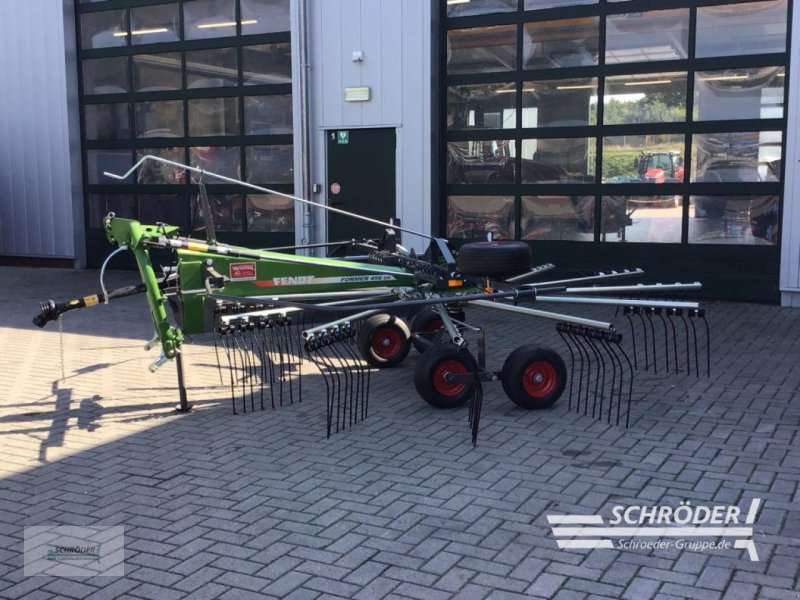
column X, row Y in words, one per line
column 790, row 227
column 395, row 37
column 36, row 181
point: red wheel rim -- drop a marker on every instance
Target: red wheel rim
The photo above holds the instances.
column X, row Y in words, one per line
column 433, row 325
column 387, row 342
column 440, row 383
column 539, row 379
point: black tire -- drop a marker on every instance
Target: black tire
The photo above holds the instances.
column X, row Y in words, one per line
column 424, row 328
column 384, row 340
column 495, row 259
column 534, row 377
column 431, row 369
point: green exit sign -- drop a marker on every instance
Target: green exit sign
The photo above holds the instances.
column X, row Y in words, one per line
column 343, row 137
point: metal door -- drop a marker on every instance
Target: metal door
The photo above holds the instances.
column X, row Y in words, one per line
column 361, row 179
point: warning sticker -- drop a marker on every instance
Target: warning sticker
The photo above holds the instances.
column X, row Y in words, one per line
column 244, row 271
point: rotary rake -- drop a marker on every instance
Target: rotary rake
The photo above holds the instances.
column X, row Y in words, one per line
column 273, row 314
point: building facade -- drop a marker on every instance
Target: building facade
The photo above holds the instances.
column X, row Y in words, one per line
column 604, row 133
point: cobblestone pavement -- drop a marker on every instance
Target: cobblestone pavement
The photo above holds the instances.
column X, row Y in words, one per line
column 401, row 506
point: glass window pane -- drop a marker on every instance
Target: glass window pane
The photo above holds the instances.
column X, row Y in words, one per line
column 484, row 106
column 105, row 75
column 481, row 161
column 268, row 115
column 100, row 205
column 107, row 121
column 558, row 160
column 734, row 220
column 264, row 16
column 164, row 208
column 226, row 212
column 217, row 67
column 561, row 43
column 645, row 98
column 482, row 50
column 559, row 103
column 209, row 19
column 734, row 157
column 152, row 172
column 539, row 4
column 643, row 159
column 104, row 29
column 151, row 24
column 558, row 218
column 159, row 119
column 740, row 29
column 472, row 217
column 462, row 8
column 652, row 219
column 265, row 64
column 647, row 36
column 269, row 213
column 739, row 94
column 112, row 161
column 270, row 164
column 214, row 116
column 157, row 72
column 223, row 160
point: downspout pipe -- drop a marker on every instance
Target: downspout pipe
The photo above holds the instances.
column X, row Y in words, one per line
column 305, row 142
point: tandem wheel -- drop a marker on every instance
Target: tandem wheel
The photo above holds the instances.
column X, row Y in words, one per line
column 534, row 377
column 384, row 340
column 431, row 375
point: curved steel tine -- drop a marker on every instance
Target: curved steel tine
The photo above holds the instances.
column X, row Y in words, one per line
column 287, row 345
column 573, row 335
column 646, row 345
column 238, row 348
column 357, row 375
column 598, row 361
column 603, row 384
column 216, row 352
column 694, row 338
column 614, row 361
column 269, row 365
column 276, row 340
column 327, row 377
column 666, row 336
column 252, row 365
column 259, row 348
column 230, row 370
column 475, row 409
column 580, row 341
column 571, row 367
column 347, row 382
column 649, row 314
column 633, row 338
column 630, row 390
column 670, row 320
column 686, row 331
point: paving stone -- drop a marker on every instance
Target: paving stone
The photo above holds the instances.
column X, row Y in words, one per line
column 401, row 505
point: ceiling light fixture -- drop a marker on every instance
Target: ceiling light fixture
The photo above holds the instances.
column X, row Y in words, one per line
column 576, row 87
column 724, row 78
column 225, row 24
column 149, row 31
column 654, row 82
column 451, row 2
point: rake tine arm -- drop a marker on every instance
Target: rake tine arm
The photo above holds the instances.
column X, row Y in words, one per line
column 587, row 278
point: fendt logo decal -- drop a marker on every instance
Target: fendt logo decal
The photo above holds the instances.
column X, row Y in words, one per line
column 313, row 280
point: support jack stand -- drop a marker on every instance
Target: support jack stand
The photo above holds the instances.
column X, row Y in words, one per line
column 184, row 406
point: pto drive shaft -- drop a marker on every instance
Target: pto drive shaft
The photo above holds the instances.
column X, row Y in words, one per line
column 51, row 310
